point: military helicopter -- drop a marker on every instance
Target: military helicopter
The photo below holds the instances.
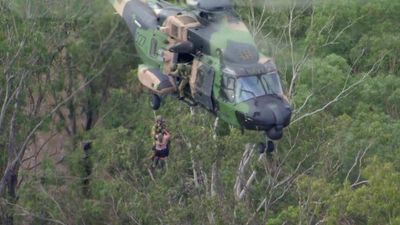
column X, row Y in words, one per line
column 228, row 76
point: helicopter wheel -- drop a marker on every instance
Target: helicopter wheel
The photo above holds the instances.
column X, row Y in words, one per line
column 261, row 147
column 155, row 102
column 270, row 146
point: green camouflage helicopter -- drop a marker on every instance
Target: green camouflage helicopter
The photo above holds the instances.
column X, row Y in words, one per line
column 228, row 76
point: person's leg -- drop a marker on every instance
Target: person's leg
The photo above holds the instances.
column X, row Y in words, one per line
column 155, row 163
column 182, row 86
column 154, row 152
column 157, row 156
column 163, row 157
column 161, row 164
column 167, row 151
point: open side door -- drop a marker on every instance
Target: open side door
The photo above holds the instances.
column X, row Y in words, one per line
column 201, row 84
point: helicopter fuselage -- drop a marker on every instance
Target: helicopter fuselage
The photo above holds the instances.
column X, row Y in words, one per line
column 229, row 76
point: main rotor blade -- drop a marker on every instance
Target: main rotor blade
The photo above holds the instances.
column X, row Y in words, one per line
column 136, row 14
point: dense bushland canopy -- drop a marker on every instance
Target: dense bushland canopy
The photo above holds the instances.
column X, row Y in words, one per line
column 75, row 123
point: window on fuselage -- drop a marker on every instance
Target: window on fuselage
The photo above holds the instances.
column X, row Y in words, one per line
column 228, row 88
column 153, row 47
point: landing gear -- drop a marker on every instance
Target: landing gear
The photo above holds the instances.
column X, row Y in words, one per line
column 268, row 147
column 155, row 102
column 261, row 147
column 189, row 101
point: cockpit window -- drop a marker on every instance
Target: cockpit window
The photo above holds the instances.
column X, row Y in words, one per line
column 248, row 87
column 272, row 84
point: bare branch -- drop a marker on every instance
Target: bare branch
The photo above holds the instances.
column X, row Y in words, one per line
column 353, row 166
column 332, row 42
column 248, row 153
column 294, row 71
column 358, row 159
column 296, row 111
column 343, row 93
column 240, row 189
column 355, row 185
column 54, row 201
column 24, row 212
column 15, row 57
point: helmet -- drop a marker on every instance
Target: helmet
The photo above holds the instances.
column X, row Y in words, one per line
column 159, row 119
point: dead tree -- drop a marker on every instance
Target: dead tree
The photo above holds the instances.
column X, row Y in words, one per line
column 244, row 182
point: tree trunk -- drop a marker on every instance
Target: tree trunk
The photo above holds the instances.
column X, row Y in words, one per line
column 90, row 120
column 71, row 103
column 87, row 169
column 11, row 176
column 11, row 180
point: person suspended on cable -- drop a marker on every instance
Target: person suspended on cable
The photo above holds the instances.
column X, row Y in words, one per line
column 161, row 147
column 159, row 126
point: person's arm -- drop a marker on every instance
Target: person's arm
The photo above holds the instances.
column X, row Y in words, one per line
column 167, row 136
column 175, row 73
column 153, row 131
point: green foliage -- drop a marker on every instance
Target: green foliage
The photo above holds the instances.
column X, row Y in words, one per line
column 375, row 203
column 324, row 78
column 338, row 166
column 290, row 216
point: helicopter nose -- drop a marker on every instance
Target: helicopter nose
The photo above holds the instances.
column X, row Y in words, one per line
column 275, row 133
column 269, row 113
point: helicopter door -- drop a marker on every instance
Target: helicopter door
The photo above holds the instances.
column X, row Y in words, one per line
column 202, row 83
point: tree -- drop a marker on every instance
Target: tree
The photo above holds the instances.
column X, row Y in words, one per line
column 41, row 76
